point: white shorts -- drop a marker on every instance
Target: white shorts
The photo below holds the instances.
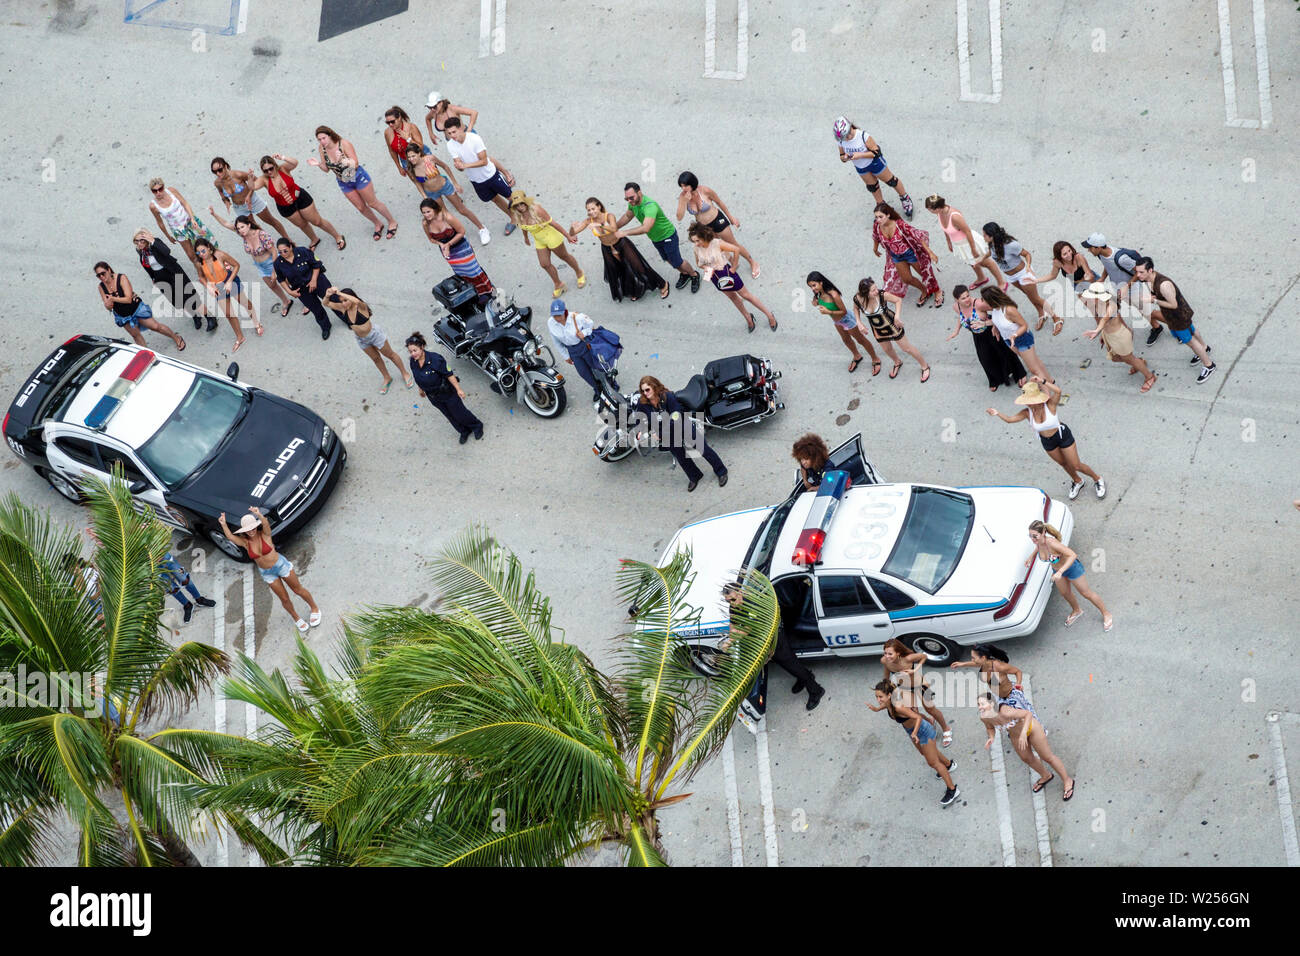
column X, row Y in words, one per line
column 1023, row 277
column 961, row 249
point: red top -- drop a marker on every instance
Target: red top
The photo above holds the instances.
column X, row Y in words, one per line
column 399, row 144
column 293, row 188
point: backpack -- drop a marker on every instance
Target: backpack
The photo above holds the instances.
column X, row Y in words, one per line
column 1125, row 252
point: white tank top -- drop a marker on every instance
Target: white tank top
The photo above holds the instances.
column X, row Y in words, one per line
column 1049, row 422
column 856, row 144
column 174, row 215
column 1006, row 328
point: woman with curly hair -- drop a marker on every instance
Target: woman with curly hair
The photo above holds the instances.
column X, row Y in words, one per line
column 668, row 418
column 810, row 452
column 908, row 247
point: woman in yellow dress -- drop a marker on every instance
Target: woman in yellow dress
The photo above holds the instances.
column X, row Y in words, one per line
column 537, row 224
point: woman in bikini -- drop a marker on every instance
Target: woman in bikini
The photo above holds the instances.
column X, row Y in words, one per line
column 423, row 170
column 440, row 109
column 448, row 233
column 626, row 271
column 1029, row 736
column 539, row 228
column 292, row 201
column 261, row 248
column 994, row 664
column 997, row 310
column 1001, row 365
column 718, row 260
column 220, row 273
column 130, row 312
column 826, row 297
column 254, row 536
column 1015, row 260
column 880, row 310
column 175, row 218
column 966, row 245
column 1067, row 571
column 889, row 699
column 1116, row 336
column 903, row 671
column 338, row 155
column 906, row 246
column 371, row 339
column 709, row 210
column 1040, row 400
column 1067, row 261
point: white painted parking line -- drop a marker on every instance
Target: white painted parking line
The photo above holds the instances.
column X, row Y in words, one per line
column 733, row 801
column 250, row 650
column 491, row 41
column 219, row 700
column 1040, row 821
column 995, row 53
column 1283, row 785
column 765, row 795
column 1229, row 72
column 1003, row 798
column 711, row 41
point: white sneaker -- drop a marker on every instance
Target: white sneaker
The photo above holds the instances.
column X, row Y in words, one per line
column 1100, row 485
column 1075, row 488
column 484, row 236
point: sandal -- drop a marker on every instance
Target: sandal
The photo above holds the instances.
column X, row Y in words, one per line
column 1038, row 787
column 341, row 242
column 261, row 329
column 773, row 325
column 1057, row 324
column 313, row 246
column 853, row 366
column 663, row 293
column 238, row 343
column 377, row 233
column 981, row 282
column 938, row 300
column 875, row 369
column 754, row 271
column 280, row 306
column 384, row 390
column 893, row 372
column 559, row 290
column 1069, row 793
column 924, row 299
column 1074, row 616
column 410, row 382
column 925, row 374
column 181, row 347
column 301, row 624
column 1041, row 320
column 582, row 281
column 391, row 232
column 947, row 741
column 1146, row 386
column 1107, row 624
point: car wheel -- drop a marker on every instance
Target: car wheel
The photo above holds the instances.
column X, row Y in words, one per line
column 937, row 650
column 228, row 547
column 703, row 660
column 64, row 487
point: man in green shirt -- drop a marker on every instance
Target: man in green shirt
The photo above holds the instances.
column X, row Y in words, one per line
column 659, row 228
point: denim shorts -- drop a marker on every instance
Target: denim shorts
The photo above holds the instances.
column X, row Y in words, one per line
column 447, row 189
column 265, row 269
column 361, row 181
column 142, row 311
column 668, row 251
column 235, row 287
column 1183, row 335
column 908, row 256
column 1074, row 571
column 877, row 165
column 281, row 569
column 925, row 734
column 1024, row 342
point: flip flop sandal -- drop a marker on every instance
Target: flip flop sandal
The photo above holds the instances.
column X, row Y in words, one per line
column 773, row 325
column 181, row 347
column 925, row 374
column 947, row 742
column 1073, row 617
column 342, row 243
column 1065, row 796
column 853, row 366
column 410, row 383
column 1107, row 625
column 924, row 299
column 938, row 300
column 261, row 330
column 237, row 345
column 313, row 245
column 1041, row 320
column 1038, row 787
column 386, row 386
column 663, row 294
column 377, row 233
column 559, row 290
column 1057, row 325
column 1146, row 386
column 582, row 281
column 893, row 372
column 391, row 232
column 978, row 284
column 875, row 369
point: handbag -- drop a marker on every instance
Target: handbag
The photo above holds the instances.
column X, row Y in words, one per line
column 605, row 347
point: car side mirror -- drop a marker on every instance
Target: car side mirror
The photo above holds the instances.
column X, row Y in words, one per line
column 138, row 487
column 233, row 371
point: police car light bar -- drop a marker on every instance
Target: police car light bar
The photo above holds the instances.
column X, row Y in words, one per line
column 111, row 400
column 808, row 549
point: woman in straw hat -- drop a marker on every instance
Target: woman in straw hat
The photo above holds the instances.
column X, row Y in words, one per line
column 254, row 536
column 1116, row 336
column 1058, row 441
column 1067, row 571
column 538, row 227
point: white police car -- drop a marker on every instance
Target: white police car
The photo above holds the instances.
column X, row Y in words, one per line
column 191, row 444
column 860, row 561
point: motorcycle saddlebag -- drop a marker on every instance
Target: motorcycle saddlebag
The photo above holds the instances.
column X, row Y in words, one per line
column 736, row 371
column 728, row 411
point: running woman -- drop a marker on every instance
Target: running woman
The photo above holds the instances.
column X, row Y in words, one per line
column 1057, row 439
column 261, row 249
column 994, row 664
column 1029, row 737
column 998, row 310
column 1116, row 336
column 540, row 228
column 966, row 245
column 175, row 219
column 254, row 536
column 292, row 201
column 220, row 273
column 1172, row 310
column 1068, row 261
column 922, row 733
column 1067, row 570
column 907, row 247
column 826, row 297
column 709, row 210
column 423, row 170
column 371, row 339
column 717, row 260
column 626, row 271
column 448, row 233
column 339, row 156
column 130, row 312
column 1001, row 365
column 879, row 309
column 1015, row 260
column 237, row 189
column 903, row 671
column 860, row 148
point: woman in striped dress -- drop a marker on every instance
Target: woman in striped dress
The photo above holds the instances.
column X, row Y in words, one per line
column 448, row 234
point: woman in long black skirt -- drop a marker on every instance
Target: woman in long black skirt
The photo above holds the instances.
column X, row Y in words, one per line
column 168, row 277
column 626, row 271
column 1001, row 365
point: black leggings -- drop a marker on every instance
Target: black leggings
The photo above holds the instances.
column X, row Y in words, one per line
column 176, row 285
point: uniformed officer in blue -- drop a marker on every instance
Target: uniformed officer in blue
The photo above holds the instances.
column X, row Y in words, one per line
column 304, row 275
column 442, row 388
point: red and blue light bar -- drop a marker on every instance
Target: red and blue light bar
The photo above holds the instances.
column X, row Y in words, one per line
column 112, row 400
column 808, row 549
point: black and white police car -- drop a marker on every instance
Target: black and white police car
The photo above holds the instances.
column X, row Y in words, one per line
column 191, row 444
column 860, row 561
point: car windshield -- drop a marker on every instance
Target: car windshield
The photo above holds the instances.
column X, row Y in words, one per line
column 61, row 398
column 195, row 430
column 759, row 555
column 933, row 537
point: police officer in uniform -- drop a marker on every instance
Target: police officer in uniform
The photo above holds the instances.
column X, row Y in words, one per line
column 783, row 656
column 442, row 388
column 304, row 275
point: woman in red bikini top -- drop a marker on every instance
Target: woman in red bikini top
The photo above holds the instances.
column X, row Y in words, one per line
column 254, row 536
column 400, row 132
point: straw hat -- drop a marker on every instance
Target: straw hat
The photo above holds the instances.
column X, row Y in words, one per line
column 1097, row 290
column 518, row 196
column 251, row 521
column 1031, row 394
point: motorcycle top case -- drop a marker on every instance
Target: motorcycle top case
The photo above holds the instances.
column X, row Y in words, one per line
column 454, row 292
column 728, row 410
column 733, row 370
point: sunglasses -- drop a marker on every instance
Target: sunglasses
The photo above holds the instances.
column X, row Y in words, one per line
column 101, row 275
column 156, row 189
column 647, row 391
column 268, row 169
column 389, row 122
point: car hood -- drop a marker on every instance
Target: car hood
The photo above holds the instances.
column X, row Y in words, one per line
column 717, row 547
column 261, row 463
column 994, row 560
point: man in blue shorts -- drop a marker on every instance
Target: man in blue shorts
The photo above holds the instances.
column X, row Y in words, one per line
column 492, row 183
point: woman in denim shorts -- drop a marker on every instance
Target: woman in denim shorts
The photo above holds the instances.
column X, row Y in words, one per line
column 922, row 732
column 254, row 536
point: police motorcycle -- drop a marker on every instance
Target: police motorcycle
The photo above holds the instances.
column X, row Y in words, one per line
column 731, row 392
column 498, row 338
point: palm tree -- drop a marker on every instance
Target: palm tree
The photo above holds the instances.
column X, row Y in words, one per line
column 82, row 754
column 477, row 736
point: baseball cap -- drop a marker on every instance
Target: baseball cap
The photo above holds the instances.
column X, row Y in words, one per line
column 1095, row 241
column 558, row 307
column 434, row 97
